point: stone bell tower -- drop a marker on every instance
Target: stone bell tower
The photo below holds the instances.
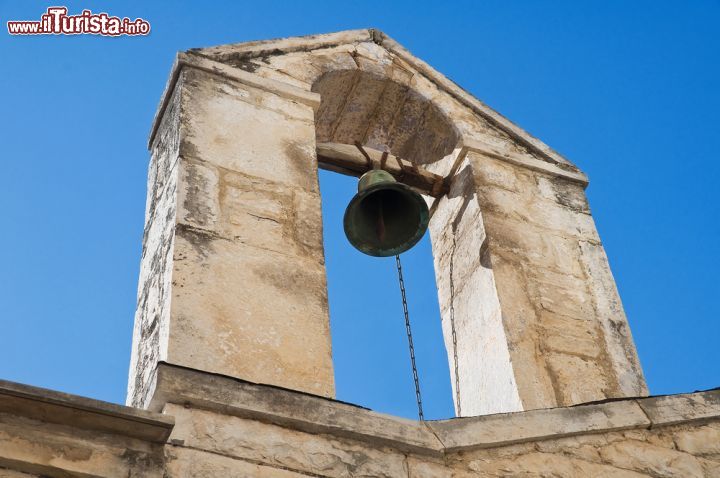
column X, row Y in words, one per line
column 231, row 372
column 233, row 276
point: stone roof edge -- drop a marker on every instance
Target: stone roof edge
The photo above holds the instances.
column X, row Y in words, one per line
column 459, row 93
column 81, row 412
column 524, row 161
column 315, row 414
column 275, row 46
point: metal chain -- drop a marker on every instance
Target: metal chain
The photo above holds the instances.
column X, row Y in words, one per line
column 410, row 338
column 452, row 328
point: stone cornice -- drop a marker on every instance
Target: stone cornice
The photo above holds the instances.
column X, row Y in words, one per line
column 288, row 408
column 81, row 412
column 314, row 414
column 524, row 161
column 260, row 48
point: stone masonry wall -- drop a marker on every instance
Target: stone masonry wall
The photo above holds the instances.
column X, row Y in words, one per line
column 676, row 451
column 221, row 427
column 562, row 314
column 209, row 445
column 152, row 314
column 45, row 450
column 249, row 288
column 468, row 299
column 233, row 275
column 538, row 319
column 233, row 446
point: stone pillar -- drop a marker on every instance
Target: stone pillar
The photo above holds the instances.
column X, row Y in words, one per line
column 232, row 275
column 538, row 319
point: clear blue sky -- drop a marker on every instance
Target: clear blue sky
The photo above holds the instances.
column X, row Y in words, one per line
column 629, row 91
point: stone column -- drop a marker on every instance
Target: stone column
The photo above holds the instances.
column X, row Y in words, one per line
column 538, row 319
column 232, row 275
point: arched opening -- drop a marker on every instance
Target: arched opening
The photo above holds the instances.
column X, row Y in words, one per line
column 372, row 365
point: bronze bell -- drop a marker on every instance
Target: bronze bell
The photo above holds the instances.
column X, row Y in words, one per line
column 385, row 217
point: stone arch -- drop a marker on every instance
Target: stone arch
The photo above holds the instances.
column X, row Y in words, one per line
column 358, row 106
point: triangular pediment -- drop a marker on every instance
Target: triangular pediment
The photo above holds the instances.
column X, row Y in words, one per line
column 303, row 61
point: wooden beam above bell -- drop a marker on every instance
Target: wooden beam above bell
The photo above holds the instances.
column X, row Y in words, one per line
column 348, row 159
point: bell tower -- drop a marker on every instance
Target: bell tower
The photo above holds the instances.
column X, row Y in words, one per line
column 233, row 277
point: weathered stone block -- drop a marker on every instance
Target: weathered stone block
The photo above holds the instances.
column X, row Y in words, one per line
column 539, row 250
column 427, row 468
column 57, row 450
column 611, row 317
column 259, row 442
column 577, row 379
column 481, row 339
column 541, row 464
column 228, row 125
column 197, row 197
column 539, row 212
column 672, row 409
column 188, row 463
column 655, row 461
column 520, row 321
column 493, row 431
column 275, row 332
column 565, row 193
column 699, row 442
column 561, row 294
column 495, row 173
column 570, row 336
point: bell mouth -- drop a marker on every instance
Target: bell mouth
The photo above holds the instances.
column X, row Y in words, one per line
column 386, row 219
